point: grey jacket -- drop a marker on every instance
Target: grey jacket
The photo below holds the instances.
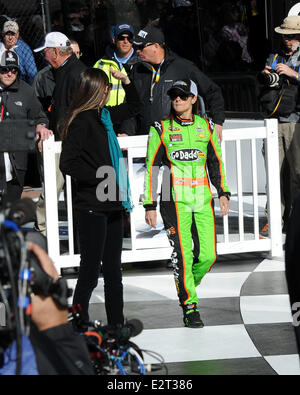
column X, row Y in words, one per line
column 18, row 102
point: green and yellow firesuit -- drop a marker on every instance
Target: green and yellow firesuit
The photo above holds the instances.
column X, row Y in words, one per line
column 190, row 152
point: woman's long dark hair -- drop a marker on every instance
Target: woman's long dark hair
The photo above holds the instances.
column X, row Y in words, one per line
column 91, row 93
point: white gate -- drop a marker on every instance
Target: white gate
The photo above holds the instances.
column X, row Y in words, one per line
column 244, row 166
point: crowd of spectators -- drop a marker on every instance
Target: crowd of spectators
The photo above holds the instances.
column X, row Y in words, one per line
column 219, row 37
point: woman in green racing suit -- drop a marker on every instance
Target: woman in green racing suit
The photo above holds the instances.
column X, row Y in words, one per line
column 188, row 148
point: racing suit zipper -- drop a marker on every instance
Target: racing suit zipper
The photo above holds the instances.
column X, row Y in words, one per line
column 189, row 128
column 192, row 163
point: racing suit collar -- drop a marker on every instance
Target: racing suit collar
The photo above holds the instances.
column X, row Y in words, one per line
column 184, row 122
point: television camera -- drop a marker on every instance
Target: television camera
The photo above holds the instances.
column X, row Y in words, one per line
column 20, row 275
column 20, row 271
column 111, row 350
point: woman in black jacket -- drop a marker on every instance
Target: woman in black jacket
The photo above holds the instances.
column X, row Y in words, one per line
column 91, row 156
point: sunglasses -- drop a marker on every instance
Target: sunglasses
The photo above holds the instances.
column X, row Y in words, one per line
column 142, row 46
column 181, row 95
column 6, row 70
column 289, row 36
column 123, row 38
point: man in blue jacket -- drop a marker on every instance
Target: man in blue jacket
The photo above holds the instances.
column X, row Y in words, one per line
column 11, row 41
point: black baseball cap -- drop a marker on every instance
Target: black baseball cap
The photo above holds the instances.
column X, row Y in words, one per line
column 149, row 34
column 188, row 87
column 9, row 59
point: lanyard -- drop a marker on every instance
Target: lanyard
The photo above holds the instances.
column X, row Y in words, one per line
column 155, row 79
column 1, row 107
column 291, row 58
column 122, row 61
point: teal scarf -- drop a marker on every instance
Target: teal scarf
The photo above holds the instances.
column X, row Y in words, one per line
column 118, row 161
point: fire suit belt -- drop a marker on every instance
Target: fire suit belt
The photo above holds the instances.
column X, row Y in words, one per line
column 190, row 182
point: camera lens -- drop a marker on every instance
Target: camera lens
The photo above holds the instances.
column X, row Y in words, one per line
column 273, row 79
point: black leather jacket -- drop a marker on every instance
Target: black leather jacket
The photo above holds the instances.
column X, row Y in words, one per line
column 67, row 79
column 174, row 68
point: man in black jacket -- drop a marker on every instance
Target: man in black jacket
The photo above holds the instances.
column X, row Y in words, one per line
column 44, row 82
column 17, row 102
column 155, row 74
column 67, row 68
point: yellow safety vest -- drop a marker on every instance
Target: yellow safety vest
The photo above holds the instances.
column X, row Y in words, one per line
column 117, row 93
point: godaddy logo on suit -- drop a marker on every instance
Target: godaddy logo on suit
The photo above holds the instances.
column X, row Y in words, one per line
column 187, row 155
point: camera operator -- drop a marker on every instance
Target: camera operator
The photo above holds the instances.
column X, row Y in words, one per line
column 58, row 350
column 17, row 102
column 280, row 99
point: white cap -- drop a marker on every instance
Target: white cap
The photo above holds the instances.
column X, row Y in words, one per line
column 10, row 26
column 54, row 40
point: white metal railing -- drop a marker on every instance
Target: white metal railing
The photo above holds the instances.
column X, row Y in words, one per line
column 145, row 244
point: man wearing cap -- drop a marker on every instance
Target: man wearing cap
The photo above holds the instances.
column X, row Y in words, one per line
column 17, row 102
column 11, row 41
column 155, row 74
column 58, row 52
column 281, row 100
column 119, row 56
column 44, row 83
column 67, row 68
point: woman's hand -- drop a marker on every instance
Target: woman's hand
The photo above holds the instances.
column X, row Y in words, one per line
column 219, row 131
column 224, row 205
column 151, row 218
column 120, row 76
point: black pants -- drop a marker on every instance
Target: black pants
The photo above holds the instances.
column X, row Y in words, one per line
column 100, row 238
